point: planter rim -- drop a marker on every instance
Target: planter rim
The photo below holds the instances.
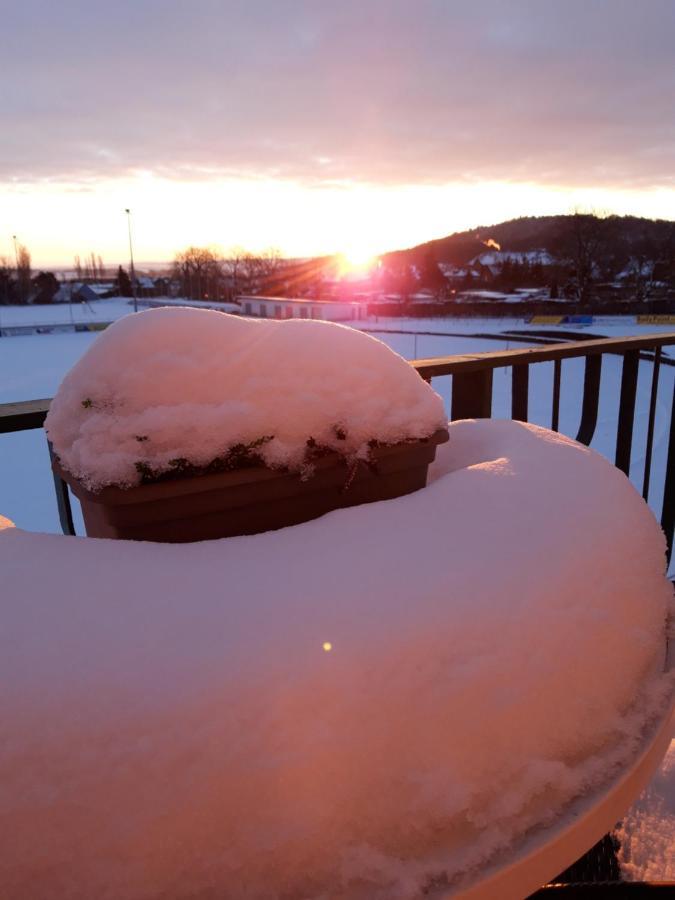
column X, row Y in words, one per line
column 117, row 496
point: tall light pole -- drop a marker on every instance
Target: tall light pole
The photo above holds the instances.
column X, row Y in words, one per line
column 16, row 255
column 131, row 262
column 18, row 277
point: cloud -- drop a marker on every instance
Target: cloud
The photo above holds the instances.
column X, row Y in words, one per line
column 386, row 92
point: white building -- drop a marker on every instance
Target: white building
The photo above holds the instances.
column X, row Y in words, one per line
column 297, row 308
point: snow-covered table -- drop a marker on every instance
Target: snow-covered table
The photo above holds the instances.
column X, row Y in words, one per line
column 389, row 698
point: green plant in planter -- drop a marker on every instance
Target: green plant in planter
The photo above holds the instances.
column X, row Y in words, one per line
column 239, row 456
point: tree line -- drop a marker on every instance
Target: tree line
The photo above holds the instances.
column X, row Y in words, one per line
column 204, row 274
column 590, row 251
column 198, row 273
column 18, row 284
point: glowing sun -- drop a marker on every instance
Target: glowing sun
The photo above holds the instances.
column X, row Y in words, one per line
column 356, row 260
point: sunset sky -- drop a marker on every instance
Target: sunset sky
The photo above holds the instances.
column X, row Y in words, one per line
column 319, row 127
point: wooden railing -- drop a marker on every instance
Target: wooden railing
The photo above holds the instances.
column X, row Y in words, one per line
column 472, row 378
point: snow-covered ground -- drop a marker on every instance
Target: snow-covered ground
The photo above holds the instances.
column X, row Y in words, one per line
column 33, row 366
column 66, row 313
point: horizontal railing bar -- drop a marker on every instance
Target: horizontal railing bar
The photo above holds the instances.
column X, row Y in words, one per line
column 473, row 362
column 23, row 415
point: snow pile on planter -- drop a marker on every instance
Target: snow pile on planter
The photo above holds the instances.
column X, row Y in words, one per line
column 169, row 387
column 358, row 707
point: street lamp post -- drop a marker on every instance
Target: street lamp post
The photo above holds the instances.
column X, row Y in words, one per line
column 131, row 262
column 18, row 275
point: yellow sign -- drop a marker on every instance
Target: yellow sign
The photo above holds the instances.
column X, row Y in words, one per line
column 546, row 320
column 656, row 320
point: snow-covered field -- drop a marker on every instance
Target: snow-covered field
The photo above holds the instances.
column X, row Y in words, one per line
column 33, row 366
column 65, row 313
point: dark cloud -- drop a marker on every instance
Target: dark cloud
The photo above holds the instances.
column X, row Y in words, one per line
column 574, row 93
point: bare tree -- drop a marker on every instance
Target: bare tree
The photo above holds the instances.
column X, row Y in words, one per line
column 200, row 273
column 203, row 274
column 247, row 272
column 23, row 273
column 91, row 267
column 399, row 278
column 7, row 284
column 78, row 268
column 585, row 249
column 651, row 265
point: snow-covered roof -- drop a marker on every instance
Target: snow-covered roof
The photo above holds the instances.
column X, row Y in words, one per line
column 305, row 301
column 499, row 257
column 634, row 268
column 87, row 292
column 63, row 294
column 449, row 269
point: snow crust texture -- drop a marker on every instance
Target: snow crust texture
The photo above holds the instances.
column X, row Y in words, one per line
column 189, row 384
column 647, row 832
column 361, row 707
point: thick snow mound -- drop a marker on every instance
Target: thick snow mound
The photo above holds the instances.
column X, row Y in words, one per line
column 189, row 384
column 355, row 707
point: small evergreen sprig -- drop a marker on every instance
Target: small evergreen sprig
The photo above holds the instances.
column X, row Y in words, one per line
column 239, row 456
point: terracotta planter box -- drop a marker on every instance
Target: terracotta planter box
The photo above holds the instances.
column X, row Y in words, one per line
column 251, row 500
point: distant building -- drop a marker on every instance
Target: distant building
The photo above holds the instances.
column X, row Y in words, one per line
column 491, row 262
column 84, row 293
column 297, row 308
column 458, row 274
column 162, row 287
column 81, row 292
column 164, row 302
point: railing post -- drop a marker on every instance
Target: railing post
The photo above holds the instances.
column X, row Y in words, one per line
column 519, row 392
column 472, row 395
column 624, row 432
column 589, row 408
column 652, row 420
column 555, row 411
column 62, row 500
column 668, row 513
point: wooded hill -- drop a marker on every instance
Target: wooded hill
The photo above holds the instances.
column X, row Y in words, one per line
column 615, row 239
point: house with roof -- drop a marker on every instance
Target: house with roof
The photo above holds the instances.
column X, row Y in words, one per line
column 490, row 263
